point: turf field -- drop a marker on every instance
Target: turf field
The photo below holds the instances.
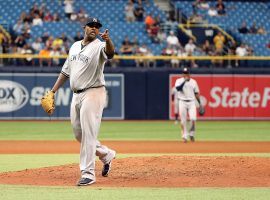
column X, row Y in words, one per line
column 124, row 130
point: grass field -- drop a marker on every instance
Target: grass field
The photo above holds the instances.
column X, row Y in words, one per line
column 138, row 130
column 124, row 130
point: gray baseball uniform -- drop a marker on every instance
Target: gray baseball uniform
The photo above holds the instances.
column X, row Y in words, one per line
column 186, row 98
column 176, row 104
column 84, row 67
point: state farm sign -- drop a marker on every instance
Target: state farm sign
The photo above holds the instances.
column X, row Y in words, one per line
column 232, row 96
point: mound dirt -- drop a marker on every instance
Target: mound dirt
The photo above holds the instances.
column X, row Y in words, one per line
column 156, row 171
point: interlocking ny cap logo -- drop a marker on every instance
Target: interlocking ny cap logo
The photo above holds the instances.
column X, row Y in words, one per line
column 94, row 20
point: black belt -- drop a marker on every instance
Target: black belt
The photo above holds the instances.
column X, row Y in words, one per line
column 82, row 90
column 186, row 100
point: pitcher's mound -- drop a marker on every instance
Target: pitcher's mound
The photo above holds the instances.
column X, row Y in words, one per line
column 156, row 171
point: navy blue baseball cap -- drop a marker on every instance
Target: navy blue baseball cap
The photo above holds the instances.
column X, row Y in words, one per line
column 186, row 70
column 93, row 20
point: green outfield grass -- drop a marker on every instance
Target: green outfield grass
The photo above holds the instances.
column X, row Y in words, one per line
column 87, row 193
column 138, row 130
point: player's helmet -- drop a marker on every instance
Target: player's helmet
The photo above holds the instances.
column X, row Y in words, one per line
column 186, row 70
column 93, row 20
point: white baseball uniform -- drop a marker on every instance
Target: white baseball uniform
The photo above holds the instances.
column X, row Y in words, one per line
column 176, row 102
column 84, row 67
column 187, row 105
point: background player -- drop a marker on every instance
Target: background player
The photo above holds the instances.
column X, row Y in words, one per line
column 176, row 104
column 84, row 67
column 188, row 91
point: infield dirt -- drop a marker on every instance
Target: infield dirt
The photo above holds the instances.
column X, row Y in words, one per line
column 154, row 171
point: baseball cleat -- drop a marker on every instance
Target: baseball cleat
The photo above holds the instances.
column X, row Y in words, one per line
column 184, row 140
column 85, row 181
column 107, row 167
column 192, row 139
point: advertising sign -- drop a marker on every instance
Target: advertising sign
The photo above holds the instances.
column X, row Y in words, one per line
column 232, row 96
column 20, row 96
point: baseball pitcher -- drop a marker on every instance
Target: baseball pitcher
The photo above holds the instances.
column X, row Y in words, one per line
column 188, row 92
column 84, row 68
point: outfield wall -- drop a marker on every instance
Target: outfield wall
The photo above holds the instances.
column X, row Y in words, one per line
column 141, row 93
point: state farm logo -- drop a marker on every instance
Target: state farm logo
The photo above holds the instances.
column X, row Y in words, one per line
column 233, row 99
column 13, row 96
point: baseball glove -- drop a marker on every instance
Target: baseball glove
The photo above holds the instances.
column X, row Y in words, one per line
column 47, row 102
column 201, row 111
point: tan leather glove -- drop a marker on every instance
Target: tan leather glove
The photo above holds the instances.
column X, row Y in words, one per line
column 47, row 102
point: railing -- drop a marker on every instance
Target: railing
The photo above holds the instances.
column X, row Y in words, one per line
column 160, row 61
column 134, row 57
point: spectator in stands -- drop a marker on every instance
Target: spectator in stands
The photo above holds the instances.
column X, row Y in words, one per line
column 243, row 29
column 232, row 45
column 220, row 7
column 153, row 32
column 135, row 42
column 48, row 17
column 219, row 41
column 78, row 36
column 57, row 42
column 45, row 52
column 66, row 38
column 204, row 5
column 207, row 48
column 34, row 10
column 129, row 11
column 19, row 43
column 253, row 29
column 250, row 51
column 169, row 51
column 37, row 21
column 49, row 42
column 143, row 50
column 199, row 4
column 26, row 32
column 42, row 10
column 175, row 63
column 172, row 40
column 149, row 21
column 45, row 37
column 195, row 6
column 126, row 47
column 190, row 47
column 3, row 40
column 196, row 19
column 56, row 51
column 241, row 51
column 68, row 7
column 218, row 62
column 161, row 36
column 139, row 12
column 27, row 50
column 18, row 27
column 37, row 45
column 82, row 16
column 56, row 17
column 212, row 12
column 261, row 31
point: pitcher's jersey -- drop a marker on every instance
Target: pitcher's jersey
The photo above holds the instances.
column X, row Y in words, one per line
column 189, row 89
column 84, row 67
